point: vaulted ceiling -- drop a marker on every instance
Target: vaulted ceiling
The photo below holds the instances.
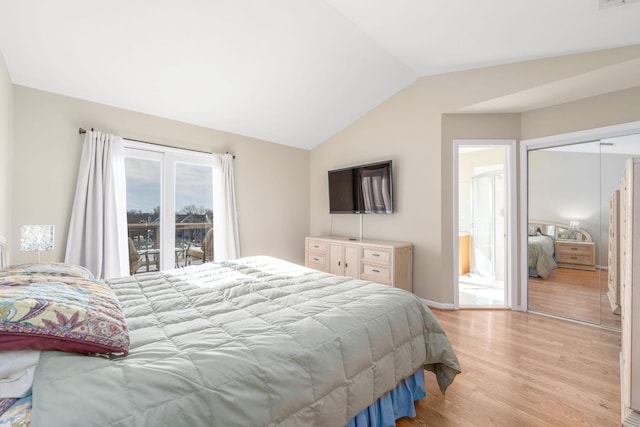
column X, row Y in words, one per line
column 293, row 72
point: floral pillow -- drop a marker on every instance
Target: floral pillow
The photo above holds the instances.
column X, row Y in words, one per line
column 65, row 313
column 15, row 412
column 47, row 268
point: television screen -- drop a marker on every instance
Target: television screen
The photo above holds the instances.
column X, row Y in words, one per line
column 362, row 189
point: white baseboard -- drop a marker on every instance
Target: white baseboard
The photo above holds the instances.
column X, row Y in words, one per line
column 438, row 305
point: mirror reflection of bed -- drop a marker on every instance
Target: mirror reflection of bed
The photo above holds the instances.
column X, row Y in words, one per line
column 563, row 278
column 577, row 182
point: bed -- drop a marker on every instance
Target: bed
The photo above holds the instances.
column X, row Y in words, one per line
column 252, row 342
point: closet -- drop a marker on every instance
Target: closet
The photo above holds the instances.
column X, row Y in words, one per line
column 616, row 237
column 577, row 183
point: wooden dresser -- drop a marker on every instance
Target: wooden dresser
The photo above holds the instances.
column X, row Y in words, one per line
column 386, row 262
column 630, row 292
column 576, row 254
column 613, row 273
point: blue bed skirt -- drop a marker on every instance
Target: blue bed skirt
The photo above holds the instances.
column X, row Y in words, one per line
column 395, row 404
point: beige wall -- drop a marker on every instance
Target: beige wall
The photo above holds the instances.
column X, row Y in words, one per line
column 598, row 111
column 6, row 113
column 416, row 127
column 272, row 180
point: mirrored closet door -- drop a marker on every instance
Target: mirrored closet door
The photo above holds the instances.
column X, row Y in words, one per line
column 572, row 214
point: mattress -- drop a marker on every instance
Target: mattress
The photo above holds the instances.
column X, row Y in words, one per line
column 252, row 342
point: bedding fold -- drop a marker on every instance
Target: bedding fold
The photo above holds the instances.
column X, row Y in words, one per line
column 540, row 255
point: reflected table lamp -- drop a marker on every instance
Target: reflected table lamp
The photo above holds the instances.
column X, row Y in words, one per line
column 574, row 226
column 36, row 238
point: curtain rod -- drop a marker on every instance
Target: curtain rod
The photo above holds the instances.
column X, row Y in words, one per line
column 83, row 131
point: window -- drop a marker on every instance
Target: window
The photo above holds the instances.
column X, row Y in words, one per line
column 169, row 206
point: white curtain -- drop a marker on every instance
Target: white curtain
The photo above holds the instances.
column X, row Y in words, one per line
column 226, row 241
column 98, row 230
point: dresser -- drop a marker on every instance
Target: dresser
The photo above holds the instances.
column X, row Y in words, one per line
column 613, row 273
column 381, row 261
column 576, row 254
column 629, row 235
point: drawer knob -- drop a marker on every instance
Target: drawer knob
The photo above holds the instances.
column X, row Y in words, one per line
column 375, row 271
column 375, row 254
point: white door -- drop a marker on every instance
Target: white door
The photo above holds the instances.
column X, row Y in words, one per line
column 482, row 226
column 488, row 225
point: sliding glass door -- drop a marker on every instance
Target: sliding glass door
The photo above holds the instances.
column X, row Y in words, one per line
column 144, row 199
column 169, row 206
column 193, row 213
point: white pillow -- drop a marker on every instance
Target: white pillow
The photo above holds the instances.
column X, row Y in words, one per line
column 17, row 371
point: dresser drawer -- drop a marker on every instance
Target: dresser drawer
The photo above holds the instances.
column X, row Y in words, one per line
column 376, row 273
column 316, row 254
column 575, row 259
column 316, row 260
column 380, row 255
column 573, row 249
column 575, row 253
column 317, row 246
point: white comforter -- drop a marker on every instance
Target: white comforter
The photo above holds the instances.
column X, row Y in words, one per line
column 254, row 342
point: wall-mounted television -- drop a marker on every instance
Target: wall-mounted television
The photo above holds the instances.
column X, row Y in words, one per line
column 362, row 189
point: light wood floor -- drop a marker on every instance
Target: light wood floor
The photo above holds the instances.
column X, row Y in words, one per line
column 576, row 294
column 522, row 369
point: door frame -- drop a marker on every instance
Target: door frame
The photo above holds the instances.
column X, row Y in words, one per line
column 548, row 142
column 510, row 176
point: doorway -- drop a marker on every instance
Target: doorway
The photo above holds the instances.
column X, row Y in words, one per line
column 484, row 220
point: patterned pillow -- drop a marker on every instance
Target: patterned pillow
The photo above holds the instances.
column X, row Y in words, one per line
column 16, row 412
column 49, row 269
column 64, row 313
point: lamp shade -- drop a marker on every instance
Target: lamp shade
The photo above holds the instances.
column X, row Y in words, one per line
column 36, row 238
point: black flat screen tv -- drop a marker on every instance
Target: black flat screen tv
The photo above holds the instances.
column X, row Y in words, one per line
column 362, row 189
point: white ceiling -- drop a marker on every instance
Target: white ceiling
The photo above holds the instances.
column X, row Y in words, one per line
column 293, row 72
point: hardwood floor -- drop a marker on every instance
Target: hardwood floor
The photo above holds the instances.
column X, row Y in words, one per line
column 522, row 369
column 576, row 294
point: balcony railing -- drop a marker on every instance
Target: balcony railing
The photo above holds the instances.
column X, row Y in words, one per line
column 190, row 245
